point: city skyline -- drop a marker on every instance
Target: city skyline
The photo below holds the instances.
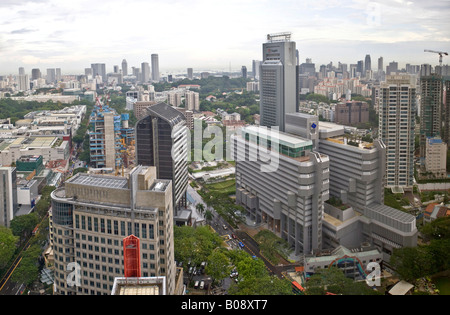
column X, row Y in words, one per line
column 213, row 35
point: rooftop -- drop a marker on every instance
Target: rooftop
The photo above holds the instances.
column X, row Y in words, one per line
column 99, row 181
column 28, row 142
column 139, row 286
column 283, row 138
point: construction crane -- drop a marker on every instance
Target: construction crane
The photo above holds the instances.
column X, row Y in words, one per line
column 441, row 53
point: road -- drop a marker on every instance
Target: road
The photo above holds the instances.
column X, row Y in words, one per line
column 250, row 245
column 8, row 287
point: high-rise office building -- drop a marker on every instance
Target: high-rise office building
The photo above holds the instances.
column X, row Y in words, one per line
column 256, row 64
column 360, row 68
column 278, row 80
column 100, row 70
column 380, row 64
column 21, row 71
column 397, row 112
column 367, row 63
column 357, row 176
column 58, row 75
column 24, row 82
column 392, row 69
column 92, row 214
column 161, row 141
column 289, row 199
column 51, row 76
column 308, row 68
column 190, row 73
column 244, row 72
column 145, row 69
column 35, row 74
column 8, row 191
column 124, row 67
column 155, row 67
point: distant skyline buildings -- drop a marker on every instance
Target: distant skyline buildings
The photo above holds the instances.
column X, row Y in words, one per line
column 155, row 67
column 47, row 40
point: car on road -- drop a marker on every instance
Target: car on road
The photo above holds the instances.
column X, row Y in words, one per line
column 224, row 227
column 202, row 285
column 241, row 244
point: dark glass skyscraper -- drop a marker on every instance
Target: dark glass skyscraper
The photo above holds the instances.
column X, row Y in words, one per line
column 161, row 141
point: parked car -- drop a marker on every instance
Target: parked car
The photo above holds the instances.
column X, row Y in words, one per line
column 202, row 285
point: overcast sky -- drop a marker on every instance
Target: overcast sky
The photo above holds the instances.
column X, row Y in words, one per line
column 212, row 34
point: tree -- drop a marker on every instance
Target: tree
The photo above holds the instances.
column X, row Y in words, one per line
column 7, row 246
column 412, row 262
column 438, row 229
column 218, row 265
column 28, row 270
column 200, row 208
column 23, row 225
column 334, row 281
column 253, row 278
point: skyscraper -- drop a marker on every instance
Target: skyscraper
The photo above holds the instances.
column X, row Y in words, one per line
column 124, row 67
column 8, row 191
column 161, row 141
column 380, row 64
column 99, row 69
column 155, row 67
column 145, row 68
column 190, row 73
column 35, row 74
column 360, row 68
column 244, row 72
column 289, row 201
column 24, row 82
column 58, row 76
column 51, row 76
column 431, row 110
column 278, row 80
column 367, row 63
column 396, row 128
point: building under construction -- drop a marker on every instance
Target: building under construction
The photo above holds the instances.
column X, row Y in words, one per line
column 109, row 135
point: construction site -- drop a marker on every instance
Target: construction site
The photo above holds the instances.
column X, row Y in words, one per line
column 111, row 140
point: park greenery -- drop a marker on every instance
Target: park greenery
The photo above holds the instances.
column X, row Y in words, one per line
column 14, row 241
column 196, row 245
column 16, row 110
column 427, row 259
column 209, row 85
column 332, row 280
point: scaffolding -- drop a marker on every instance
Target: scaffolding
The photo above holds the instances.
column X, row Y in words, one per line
column 279, row 37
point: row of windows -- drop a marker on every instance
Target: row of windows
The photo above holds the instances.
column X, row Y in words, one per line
column 115, row 227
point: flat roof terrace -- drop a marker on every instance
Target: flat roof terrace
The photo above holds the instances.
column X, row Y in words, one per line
column 99, row 181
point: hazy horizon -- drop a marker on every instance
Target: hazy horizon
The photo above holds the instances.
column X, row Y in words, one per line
column 215, row 35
